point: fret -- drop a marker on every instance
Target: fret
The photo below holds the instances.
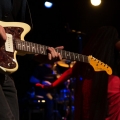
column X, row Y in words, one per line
column 41, row 49
column 31, row 50
column 28, row 43
column 34, row 47
column 23, row 46
column 86, row 59
column 79, row 57
column 64, row 54
column 28, row 47
column 76, row 56
column 31, row 47
column 46, row 50
column 83, row 58
column 19, row 46
column 72, row 55
column 67, row 54
column 16, row 45
column 37, row 48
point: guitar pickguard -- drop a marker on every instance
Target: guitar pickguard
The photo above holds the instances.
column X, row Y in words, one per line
column 8, row 59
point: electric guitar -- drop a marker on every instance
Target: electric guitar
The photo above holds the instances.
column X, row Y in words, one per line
column 16, row 45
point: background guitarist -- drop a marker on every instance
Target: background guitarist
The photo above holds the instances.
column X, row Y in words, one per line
column 13, row 10
column 97, row 94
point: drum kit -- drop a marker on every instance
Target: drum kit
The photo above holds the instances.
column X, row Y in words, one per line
column 63, row 97
column 66, row 63
column 65, row 93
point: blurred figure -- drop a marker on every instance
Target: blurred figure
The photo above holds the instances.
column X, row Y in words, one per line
column 45, row 74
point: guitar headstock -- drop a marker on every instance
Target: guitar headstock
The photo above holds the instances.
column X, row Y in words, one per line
column 98, row 65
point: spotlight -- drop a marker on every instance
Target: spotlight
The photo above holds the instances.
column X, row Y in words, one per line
column 48, row 4
column 95, row 2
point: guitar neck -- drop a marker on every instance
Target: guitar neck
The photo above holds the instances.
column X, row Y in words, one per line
column 34, row 48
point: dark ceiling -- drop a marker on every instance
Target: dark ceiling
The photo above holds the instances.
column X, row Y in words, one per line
column 49, row 24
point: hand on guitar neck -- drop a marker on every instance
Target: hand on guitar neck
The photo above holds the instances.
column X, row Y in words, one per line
column 52, row 57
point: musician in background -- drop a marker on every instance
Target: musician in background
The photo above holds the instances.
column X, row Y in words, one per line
column 45, row 74
column 97, row 94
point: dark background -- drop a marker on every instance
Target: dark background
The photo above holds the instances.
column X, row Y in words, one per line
column 52, row 27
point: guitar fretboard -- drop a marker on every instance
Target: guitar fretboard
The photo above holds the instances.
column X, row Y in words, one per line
column 42, row 49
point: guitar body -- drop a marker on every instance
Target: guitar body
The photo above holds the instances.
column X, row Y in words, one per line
column 8, row 61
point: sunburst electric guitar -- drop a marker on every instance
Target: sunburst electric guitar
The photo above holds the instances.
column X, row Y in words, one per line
column 15, row 44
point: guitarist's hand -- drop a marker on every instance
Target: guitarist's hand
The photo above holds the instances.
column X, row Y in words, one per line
column 52, row 57
column 3, row 36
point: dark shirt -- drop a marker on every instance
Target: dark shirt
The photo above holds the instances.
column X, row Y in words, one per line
column 12, row 10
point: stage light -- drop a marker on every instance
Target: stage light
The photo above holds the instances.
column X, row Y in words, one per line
column 48, row 4
column 81, row 78
column 95, row 2
column 43, row 101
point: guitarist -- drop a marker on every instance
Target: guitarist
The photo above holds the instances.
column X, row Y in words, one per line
column 97, row 95
column 13, row 11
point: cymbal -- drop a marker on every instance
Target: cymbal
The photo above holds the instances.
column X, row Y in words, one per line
column 66, row 63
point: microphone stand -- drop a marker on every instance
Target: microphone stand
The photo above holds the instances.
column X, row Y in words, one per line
column 79, row 38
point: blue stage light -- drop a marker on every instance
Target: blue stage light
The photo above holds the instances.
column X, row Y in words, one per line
column 48, row 4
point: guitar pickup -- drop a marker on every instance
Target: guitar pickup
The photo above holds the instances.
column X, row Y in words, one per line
column 9, row 43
